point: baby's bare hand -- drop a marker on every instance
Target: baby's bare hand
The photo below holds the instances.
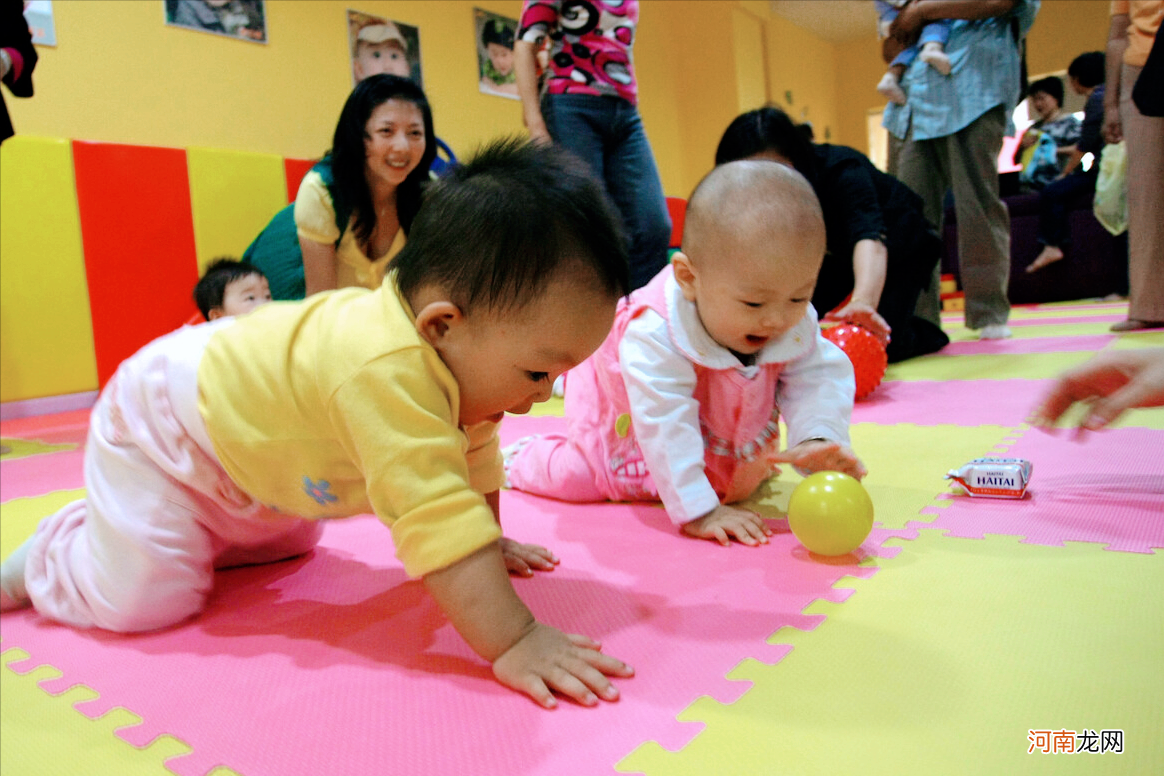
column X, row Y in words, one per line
column 819, row 456
column 546, row 660
column 522, row 559
column 726, row 522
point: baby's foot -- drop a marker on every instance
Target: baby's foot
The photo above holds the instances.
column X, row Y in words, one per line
column 891, row 89
column 13, row 593
column 509, row 452
column 934, row 56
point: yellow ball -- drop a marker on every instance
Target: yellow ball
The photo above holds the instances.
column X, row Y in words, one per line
column 830, row 513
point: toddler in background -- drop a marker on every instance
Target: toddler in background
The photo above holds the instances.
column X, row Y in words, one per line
column 230, row 442
column 230, row 287
column 930, row 48
column 681, row 403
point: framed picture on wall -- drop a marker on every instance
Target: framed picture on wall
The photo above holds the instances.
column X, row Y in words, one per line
column 39, row 15
column 243, row 19
column 380, row 45
column 494, row 35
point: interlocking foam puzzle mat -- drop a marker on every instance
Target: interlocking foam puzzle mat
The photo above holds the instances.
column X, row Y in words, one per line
column 964, row 636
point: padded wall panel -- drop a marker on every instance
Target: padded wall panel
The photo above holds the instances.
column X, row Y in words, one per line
column 46, row 336
column 233, row 195
column 295, row 169
column 139, row 244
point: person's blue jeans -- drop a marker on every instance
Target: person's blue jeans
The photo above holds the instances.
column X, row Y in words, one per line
column 1055, row 202
column 607, row 133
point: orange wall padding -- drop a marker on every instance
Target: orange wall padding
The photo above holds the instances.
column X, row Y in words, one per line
column 296, row 169
column 138, row 237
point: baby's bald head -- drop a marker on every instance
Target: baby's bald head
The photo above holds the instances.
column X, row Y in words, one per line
column 758, row 207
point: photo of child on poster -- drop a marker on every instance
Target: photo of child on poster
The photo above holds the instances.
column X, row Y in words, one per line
column 243, row 19
column 379, row 45
column 494, row 36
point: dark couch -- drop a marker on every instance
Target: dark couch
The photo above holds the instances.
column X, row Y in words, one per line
column 1095, row 264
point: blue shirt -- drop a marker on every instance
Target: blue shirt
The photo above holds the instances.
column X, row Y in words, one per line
column 984, row 61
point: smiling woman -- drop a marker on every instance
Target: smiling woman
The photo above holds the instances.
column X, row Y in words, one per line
column 354, row 209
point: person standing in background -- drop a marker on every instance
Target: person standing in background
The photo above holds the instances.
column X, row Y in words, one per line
column 589, row 106
column 17, row 58
column 952, row 129
column 1134, row 25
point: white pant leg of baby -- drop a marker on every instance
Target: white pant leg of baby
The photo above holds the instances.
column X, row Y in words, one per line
column 131, row 557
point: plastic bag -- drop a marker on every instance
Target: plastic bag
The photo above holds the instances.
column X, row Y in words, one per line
column 1111, row 188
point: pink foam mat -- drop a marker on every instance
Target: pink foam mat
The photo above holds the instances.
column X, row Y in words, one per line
column 1109, row 489
column 56, row 428
column 285, row 650
column 956, row 402
column 34, row 476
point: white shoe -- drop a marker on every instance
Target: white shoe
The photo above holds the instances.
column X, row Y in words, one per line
column 994, row 331
column 891, row 89
column 933, row 55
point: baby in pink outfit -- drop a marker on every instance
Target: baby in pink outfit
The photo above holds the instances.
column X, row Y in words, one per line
column 682, row 401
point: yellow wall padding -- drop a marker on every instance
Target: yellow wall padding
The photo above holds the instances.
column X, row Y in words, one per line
column 46, row 335
column 233, row 195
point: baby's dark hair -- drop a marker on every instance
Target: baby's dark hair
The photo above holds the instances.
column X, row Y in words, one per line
column 1088, row 69
column 1052, row 86
column 494, row 231
column 221, row 273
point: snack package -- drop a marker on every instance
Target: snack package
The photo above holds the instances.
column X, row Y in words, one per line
column 993, row 477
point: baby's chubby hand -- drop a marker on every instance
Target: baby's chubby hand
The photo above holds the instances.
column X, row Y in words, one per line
column 523, row 559
column 727, row 522
column 816, row 455
column 544, row 660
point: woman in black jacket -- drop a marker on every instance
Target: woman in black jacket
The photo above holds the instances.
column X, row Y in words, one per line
column 881, row 251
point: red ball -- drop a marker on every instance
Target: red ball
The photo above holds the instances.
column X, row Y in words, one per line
column 864, row 350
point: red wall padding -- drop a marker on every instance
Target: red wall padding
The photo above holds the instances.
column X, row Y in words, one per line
column 677, row 207
column 295, row 170
column 138, row 237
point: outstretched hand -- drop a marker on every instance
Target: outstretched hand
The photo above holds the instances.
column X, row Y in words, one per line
column 816, row 455
column 1110, row 383
column 863, row 314
column 524, row 559
column 545, row 660
column 727, row 522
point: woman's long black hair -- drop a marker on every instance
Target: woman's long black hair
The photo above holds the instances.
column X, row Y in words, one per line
column 767, row 129
column 348, row 157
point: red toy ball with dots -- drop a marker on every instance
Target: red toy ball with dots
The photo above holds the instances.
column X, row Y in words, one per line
column 864, row 350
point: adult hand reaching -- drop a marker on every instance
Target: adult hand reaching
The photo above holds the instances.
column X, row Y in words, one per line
column 1112, row 382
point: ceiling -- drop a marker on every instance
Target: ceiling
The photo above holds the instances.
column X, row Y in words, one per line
column 833, row 20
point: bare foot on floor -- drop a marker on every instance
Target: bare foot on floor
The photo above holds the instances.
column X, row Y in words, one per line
column 1050, row 255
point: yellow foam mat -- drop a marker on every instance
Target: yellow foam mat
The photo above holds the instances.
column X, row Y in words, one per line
column 22, row 448
column 18, row 517
column 1031, row 366
column 900, row 486
column 943, row 662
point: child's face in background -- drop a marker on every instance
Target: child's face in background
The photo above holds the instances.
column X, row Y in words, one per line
column 754, row 290
column 506, row 362
column 1043, row 104
column 394, row 141
column 243, row 295
column 501, row 57
column 387, row 57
